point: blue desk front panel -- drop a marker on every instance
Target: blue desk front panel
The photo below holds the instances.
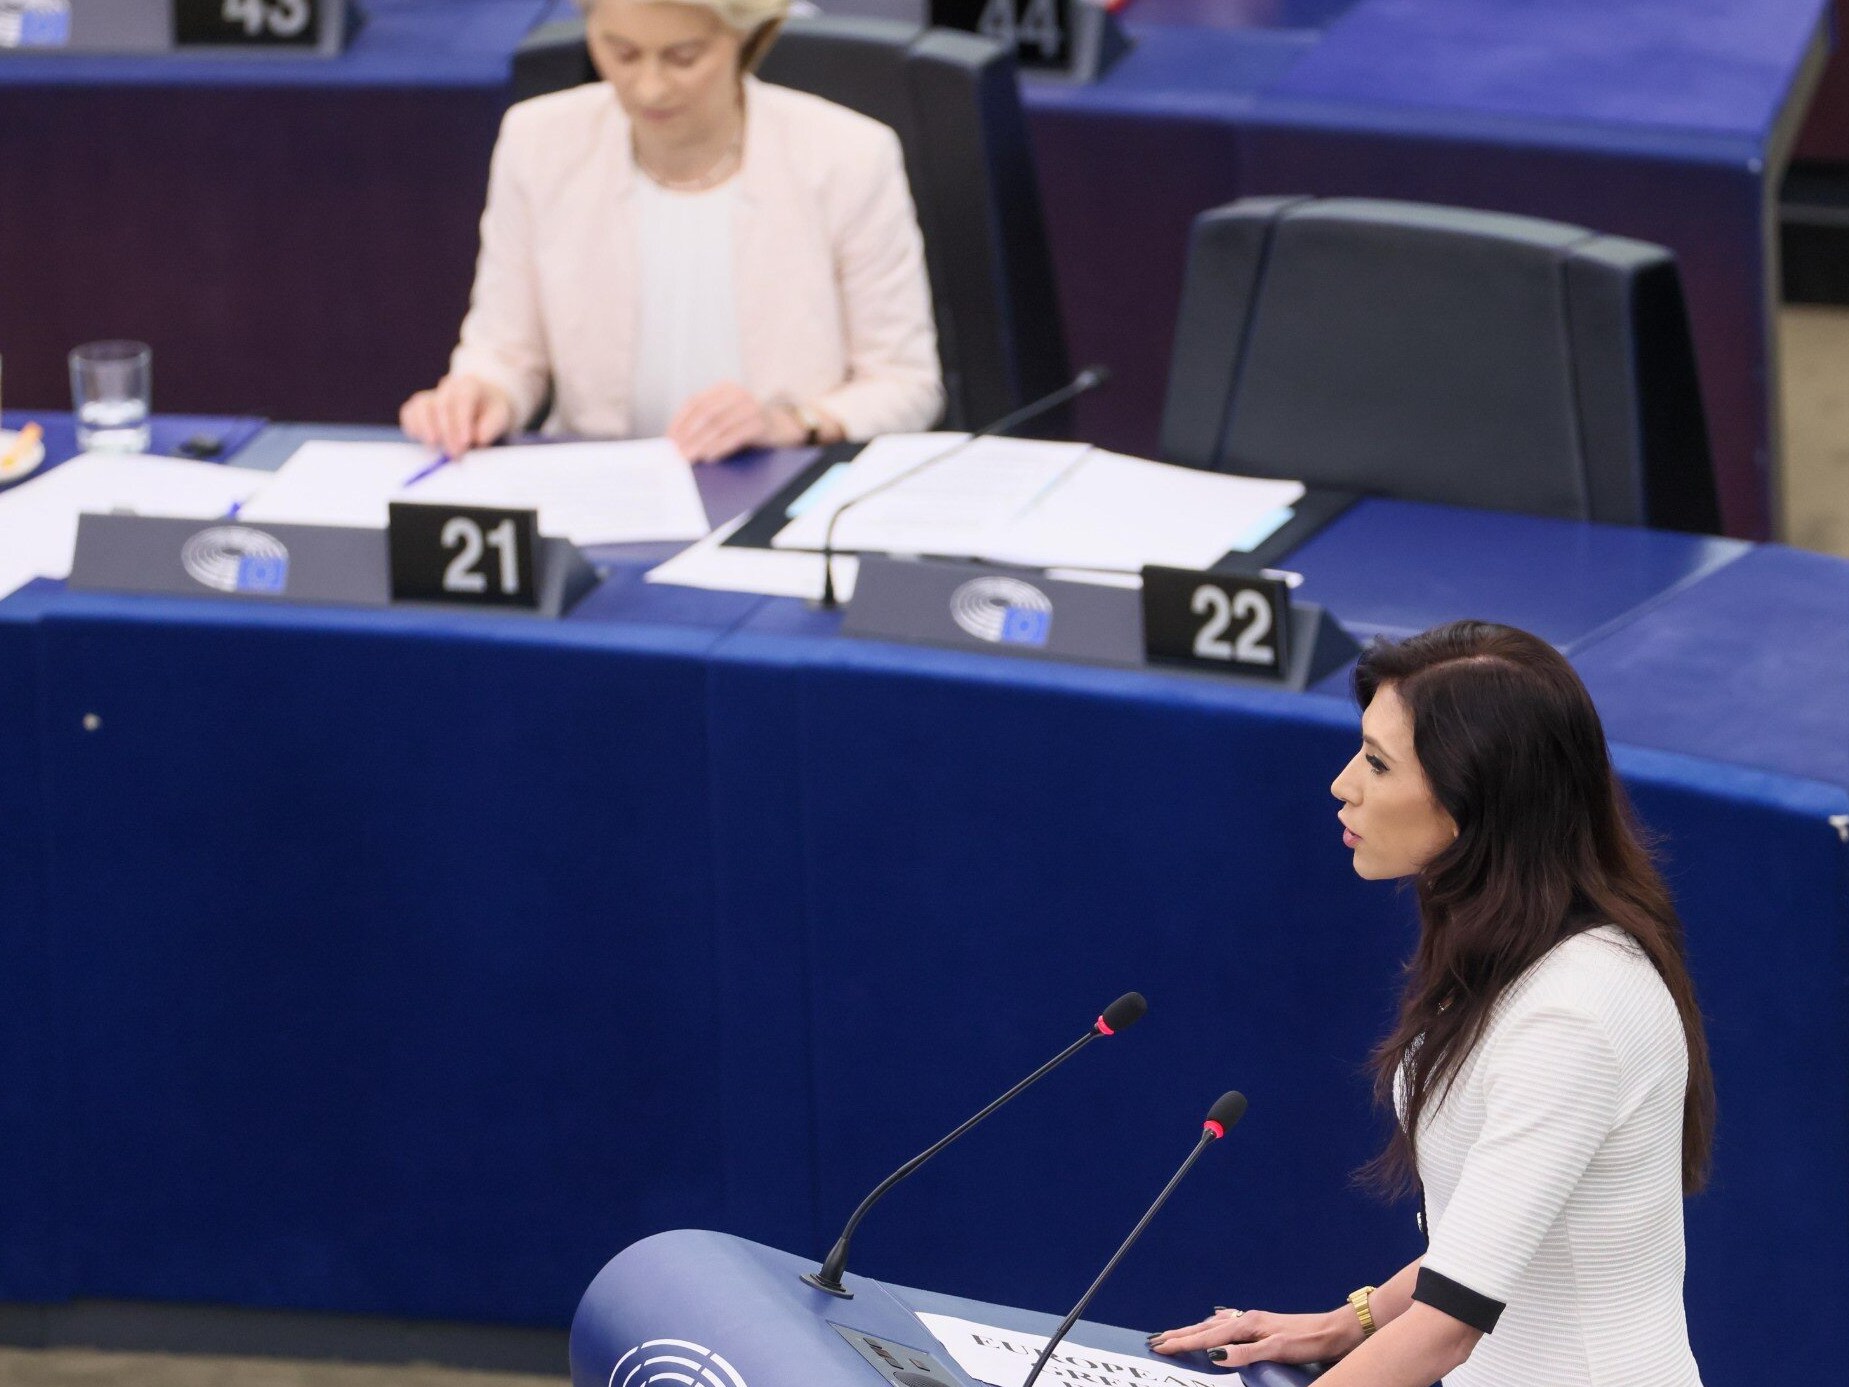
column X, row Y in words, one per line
column 32, row 1022
column 383, row 946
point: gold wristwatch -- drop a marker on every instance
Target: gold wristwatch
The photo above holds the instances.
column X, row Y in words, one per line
column 1357, row 1301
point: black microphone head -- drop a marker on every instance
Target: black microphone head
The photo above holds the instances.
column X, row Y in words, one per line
column 1093, row 376
column 1224, row 1115
column 1127, row 1010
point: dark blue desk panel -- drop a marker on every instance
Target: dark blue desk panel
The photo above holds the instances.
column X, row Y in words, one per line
column 685, row 911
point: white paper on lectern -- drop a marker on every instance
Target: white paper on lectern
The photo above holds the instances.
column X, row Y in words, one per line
column 38, row 518
column 958, row 507
column 1004, row 1357
column 769, row 572
column 589, row 493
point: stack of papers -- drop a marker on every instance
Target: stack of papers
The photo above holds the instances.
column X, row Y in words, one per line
column 589, row 493
column 1064, row 506
column 38, row 518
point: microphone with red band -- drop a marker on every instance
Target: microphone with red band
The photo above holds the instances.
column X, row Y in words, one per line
column 1126, row 1011
column 1222, row 1117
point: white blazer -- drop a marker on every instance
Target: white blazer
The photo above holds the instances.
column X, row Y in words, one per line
column 834, row 308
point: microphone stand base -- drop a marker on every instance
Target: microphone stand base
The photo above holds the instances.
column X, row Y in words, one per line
column 837, row 1289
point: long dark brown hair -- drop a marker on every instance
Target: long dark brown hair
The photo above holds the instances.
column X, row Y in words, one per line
column 1546, row 846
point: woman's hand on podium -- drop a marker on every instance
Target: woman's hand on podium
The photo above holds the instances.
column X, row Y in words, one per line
column 1258, row 1336
column 463, row 412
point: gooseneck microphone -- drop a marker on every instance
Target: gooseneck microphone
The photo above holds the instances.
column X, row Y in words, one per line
column 1222, row 1117
column 1089, row 379
column 1127, row 1010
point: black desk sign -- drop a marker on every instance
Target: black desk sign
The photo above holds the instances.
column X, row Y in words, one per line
column 253, row 23
column 1235, row 622
column 1073, row 39
column 472, row 555
column 1241, row 624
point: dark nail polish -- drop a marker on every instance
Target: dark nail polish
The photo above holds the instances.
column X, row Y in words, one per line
column 1221, row 1309
column 1216, row 1355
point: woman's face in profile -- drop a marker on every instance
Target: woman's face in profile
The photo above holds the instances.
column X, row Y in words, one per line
column 674, row 66
column 1389, row 815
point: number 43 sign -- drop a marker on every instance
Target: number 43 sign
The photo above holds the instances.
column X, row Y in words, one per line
column 235, row 23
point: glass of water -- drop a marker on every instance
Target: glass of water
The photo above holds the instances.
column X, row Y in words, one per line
column 110, row 390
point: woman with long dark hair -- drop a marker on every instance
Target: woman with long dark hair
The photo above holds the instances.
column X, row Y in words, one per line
column 1548, row 1069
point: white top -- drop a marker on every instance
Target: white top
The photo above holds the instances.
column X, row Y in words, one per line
column 1553, row 1179
column 689, row 313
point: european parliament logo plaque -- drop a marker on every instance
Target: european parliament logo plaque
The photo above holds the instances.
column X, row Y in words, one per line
column 511, row 571
column 1238, row 626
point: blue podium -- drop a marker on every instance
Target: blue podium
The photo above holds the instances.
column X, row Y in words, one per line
column 711, row 1310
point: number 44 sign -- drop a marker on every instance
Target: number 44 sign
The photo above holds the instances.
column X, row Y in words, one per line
column 233, row 23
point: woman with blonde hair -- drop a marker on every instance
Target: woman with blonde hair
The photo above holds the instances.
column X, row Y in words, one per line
column 685, row 250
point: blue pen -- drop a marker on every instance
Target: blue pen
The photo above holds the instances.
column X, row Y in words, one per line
column 422, row 472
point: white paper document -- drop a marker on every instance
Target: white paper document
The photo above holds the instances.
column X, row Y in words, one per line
column 337, row 484
column 589, row 493
column 1004, row 1357
column 1041, row 505
column 958, row 507
column 771, row 572
column 38, row 518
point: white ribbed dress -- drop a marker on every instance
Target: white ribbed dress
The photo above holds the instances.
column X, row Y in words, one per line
column 1553, row 1186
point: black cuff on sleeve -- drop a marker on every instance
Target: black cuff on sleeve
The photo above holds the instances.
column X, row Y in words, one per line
column 1439, row 1291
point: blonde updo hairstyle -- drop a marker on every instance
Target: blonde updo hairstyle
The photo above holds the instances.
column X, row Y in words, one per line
column 756, row 22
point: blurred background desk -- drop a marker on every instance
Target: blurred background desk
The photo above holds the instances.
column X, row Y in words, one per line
column 411, row 964
column 298, row 239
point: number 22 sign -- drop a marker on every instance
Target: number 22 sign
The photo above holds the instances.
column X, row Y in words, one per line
column 1235, row 622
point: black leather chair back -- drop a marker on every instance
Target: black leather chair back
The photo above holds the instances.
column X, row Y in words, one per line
column 953, row 100
column 1441, row 354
